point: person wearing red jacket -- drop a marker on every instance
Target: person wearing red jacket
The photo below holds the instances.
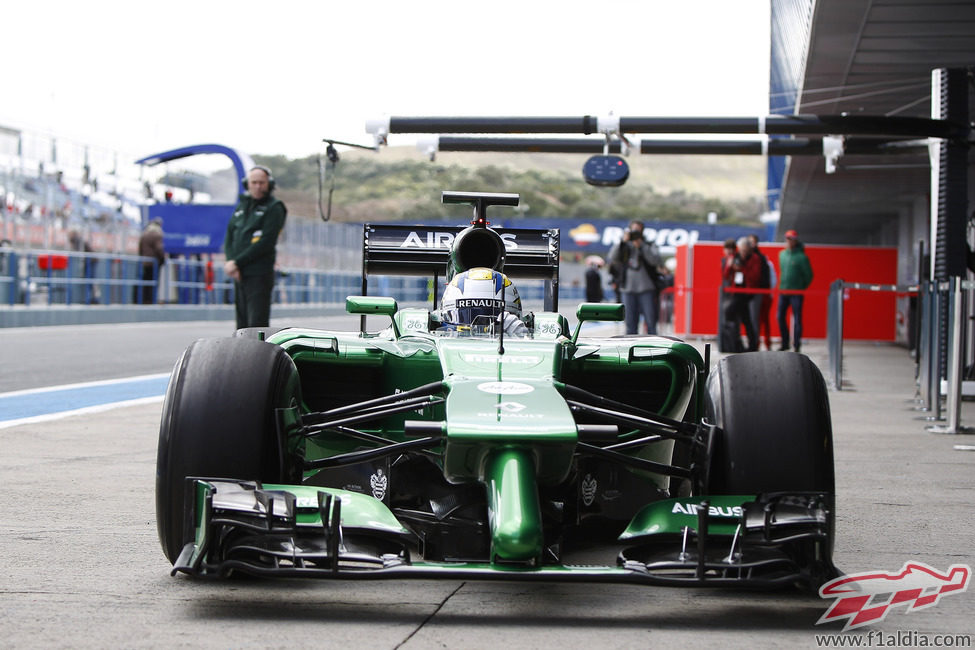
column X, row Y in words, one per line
column 745, row 272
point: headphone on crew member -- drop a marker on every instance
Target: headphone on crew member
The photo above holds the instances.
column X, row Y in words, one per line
column 270, row 178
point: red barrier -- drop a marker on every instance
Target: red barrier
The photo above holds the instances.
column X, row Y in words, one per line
column 872, row 316
column 52, row 262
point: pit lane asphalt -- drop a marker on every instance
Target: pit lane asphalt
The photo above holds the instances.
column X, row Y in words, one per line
column 82, row 565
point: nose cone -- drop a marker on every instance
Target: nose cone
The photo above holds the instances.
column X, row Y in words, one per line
column 513, row 510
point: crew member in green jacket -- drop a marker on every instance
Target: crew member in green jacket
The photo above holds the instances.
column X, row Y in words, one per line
column 795, row 274
column 249, row 245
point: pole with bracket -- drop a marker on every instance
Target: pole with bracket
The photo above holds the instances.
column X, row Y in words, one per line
column 955, row 362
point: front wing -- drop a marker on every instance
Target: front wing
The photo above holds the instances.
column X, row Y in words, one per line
column 301, row 531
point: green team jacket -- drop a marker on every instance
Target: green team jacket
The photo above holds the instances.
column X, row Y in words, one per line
column 795, row 272
column 252, row 234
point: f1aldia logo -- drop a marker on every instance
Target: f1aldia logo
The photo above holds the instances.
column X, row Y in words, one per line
column 864, row 598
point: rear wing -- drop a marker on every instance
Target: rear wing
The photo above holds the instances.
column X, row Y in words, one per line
column 425, row 250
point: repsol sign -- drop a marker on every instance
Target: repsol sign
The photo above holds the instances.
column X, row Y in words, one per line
column 663, row 237
column 595, row 236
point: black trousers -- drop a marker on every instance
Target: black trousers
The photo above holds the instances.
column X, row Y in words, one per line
column 145, row 293
column 793, row 301
column 252, row 299
column 739, row 311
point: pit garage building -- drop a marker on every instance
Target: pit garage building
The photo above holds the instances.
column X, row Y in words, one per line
column 878, row 57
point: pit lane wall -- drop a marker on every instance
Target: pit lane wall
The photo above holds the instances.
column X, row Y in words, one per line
column 867, row 315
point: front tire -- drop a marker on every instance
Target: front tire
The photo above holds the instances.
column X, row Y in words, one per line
column 776, row 434
column 218, row 421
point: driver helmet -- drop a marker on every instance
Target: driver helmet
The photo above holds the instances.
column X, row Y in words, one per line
column 478, row 292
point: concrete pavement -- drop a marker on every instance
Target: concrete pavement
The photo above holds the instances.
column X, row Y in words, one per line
column 82, row 566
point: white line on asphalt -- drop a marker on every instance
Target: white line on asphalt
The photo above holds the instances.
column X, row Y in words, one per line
column 86, row 384
column 82, row 411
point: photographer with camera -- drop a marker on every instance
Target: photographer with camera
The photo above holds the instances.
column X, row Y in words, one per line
column 638, row 261
column 744, row 272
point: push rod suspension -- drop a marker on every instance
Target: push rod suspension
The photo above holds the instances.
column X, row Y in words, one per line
column 371, row 454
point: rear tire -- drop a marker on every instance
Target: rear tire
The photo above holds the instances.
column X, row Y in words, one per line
column 218, row 421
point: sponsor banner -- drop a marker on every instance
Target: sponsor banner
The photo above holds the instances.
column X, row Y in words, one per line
column 410, row 237
column 192, row 229
column 594, row 236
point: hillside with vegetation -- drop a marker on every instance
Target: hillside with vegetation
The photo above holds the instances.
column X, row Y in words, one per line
column 400, row 184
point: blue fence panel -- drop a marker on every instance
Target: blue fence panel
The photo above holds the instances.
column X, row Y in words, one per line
column 57, row 277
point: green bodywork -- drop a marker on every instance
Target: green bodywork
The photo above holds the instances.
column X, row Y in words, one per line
column 676, row 515
column 507, row 425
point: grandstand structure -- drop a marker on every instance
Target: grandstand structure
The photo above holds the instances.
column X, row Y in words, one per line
column 51, row 186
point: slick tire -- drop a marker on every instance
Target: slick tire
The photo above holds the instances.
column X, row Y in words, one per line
column 218, row 421
column 776, row 434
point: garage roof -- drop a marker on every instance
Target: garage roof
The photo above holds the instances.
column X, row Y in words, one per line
column 873, row 57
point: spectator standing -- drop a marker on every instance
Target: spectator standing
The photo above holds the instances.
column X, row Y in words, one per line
column 250, row 246
column 762, row 308
column 150, row 245
column 729, row 337
column 80, row 245
column 638, row 261
column 745, row 272
column 795, row 275
column 594, row 281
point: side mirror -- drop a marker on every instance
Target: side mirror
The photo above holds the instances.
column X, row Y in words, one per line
column 373, row 305
column 605, row 170
column 601, row 311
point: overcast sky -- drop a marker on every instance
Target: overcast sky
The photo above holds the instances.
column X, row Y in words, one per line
column 277, row 77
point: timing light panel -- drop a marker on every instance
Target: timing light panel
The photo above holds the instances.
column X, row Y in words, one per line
column 606, row 171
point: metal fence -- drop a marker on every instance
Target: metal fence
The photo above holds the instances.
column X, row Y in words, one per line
column 58, row 277
column 941, row 347
column 838, row 293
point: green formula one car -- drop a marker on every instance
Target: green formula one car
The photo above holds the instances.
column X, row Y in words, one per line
column 453, row 447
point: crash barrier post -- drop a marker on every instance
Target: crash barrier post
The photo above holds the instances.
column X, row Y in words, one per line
column 835, row 319
column 8, row 275
column 957, row 301
column 928, row 350
column 834, row 333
